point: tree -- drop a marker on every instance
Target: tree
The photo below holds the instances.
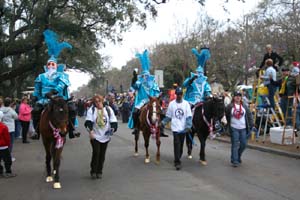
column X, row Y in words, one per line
column 83, row 23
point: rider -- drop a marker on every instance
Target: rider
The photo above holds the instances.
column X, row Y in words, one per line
column 145, row 87
column 53, row 80
column 197, row 87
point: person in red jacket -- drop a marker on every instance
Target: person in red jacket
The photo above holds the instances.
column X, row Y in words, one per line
column 4, row 151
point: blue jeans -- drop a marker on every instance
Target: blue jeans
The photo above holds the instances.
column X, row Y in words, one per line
column 298, row 117
column 284, row 105
column 238, row 144
column 12, row 139
column 17, row 128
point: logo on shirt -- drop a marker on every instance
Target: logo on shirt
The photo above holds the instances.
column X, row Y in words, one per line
column 179, row 113
column 105, row 120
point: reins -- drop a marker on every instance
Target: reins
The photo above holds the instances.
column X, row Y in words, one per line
column 153, row 126
column 59, row 140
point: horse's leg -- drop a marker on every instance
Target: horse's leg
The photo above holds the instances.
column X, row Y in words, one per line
column 146, row 135
column 56, row 164
column 136, row 138
column 202, row 137
column 189, row 143
column 158, row 147
column 47, row 146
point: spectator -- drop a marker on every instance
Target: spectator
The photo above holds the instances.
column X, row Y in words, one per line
column 9, row 117
column 240, row 122
column 4, row 150
column 276, row 59
column 25, row 117
column 17, row 121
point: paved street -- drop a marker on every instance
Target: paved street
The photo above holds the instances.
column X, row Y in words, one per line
column 261, row 176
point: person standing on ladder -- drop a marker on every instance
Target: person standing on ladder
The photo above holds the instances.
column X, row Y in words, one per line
column 269, row 75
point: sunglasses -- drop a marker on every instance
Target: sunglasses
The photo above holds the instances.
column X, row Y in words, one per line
column 51, row 64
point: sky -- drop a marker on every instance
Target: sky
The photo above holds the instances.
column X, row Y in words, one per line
column 162, row 29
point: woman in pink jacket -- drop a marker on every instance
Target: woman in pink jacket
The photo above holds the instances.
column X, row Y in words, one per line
column 25, row 117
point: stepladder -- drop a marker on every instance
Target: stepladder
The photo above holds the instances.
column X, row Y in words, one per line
column 268, row 116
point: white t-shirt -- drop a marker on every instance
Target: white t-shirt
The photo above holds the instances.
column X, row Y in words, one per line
column 178, row 112
column 100, row 132
column 238, row 123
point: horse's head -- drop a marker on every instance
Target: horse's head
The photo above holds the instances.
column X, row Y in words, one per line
column 58, row 113
column 154, row 108
column 218, row 107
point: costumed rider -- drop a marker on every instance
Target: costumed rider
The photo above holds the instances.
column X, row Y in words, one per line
column 53, row 81
column 145, row 87
column 197, row 87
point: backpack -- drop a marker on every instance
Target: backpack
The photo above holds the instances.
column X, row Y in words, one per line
column 113, row 125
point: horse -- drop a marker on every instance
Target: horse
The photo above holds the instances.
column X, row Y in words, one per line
column 205, row 114
column 54, row 128
column 149, row 121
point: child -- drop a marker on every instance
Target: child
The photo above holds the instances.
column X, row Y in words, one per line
column 4, row 151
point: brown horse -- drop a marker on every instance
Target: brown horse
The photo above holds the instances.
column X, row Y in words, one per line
column 53, row 128
column 149, row 124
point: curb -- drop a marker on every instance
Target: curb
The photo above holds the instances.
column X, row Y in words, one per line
column 265, row 149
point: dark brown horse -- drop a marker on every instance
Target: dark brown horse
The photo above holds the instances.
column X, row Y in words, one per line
column 53, row 128
column 149, row 124
column 205, row 114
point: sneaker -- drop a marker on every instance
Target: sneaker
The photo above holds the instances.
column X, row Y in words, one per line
column 13, row 159
column 98, row 176
column 93, row 176
column 234, row 164
column 9, row 175
column 178, row 167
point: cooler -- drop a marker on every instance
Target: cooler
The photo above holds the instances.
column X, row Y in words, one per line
column 276, row 135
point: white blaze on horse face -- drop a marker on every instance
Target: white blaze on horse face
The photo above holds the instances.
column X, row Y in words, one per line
column 154, row 115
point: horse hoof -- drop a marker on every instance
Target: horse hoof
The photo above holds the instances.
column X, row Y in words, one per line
column 57, row 185
column 49, row 179
column 157, row 162
column 190, row 156
column 147, row 160
column 204, row 163
column 136, row 154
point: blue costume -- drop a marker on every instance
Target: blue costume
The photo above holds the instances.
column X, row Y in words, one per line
column 197, row 87
column 144, row 86
column 47, row 82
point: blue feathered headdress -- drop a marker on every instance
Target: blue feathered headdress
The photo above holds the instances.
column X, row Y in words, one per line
column 54, row 46
column 145, row 62
column 202, row 57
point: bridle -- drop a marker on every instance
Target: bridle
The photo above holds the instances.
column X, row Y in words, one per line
column 155, row 117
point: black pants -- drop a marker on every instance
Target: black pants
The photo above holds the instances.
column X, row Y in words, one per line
column 178, row 142
column 36, row 115
column 25, row 127
column 98, row 156
column 6, row 157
